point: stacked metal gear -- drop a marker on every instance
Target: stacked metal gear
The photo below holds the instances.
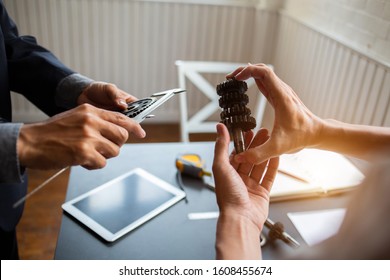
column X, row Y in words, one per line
column 235, row 114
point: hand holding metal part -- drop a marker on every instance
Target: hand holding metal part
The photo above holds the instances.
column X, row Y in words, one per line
column 137, row 110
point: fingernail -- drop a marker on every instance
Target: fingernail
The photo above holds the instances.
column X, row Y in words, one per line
column 122, row 102
column 239, row 159
column 143, row 133
column 218, row 129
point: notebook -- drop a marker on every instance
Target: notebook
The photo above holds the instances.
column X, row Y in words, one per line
column 313, row 172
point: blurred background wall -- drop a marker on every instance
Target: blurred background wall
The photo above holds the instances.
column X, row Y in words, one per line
column 335, row 54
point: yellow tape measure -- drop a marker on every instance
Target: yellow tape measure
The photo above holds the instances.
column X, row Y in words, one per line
column 192, row 165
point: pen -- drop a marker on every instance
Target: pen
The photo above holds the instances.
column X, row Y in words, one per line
column 276, row 231
column 293, row 176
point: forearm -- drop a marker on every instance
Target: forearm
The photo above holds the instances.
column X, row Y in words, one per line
column 360, row 141
column 237, row 239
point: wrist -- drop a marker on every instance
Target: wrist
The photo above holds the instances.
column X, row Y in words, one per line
column 22, row 145
column 323, row 130
column 237, row 237
column 28, row 140
column 329, row 131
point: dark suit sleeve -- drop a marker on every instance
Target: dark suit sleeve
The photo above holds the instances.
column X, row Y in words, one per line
column 33, row 70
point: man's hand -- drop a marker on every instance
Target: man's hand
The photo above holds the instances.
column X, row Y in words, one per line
column 84, row 136
column 105, row 96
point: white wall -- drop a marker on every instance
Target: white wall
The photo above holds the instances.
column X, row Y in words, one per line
column 335, row 54
column 362, row 24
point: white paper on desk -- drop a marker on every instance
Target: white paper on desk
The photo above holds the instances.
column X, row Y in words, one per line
column 316, row 226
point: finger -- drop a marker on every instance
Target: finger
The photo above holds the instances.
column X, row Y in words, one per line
column 102, row 123
column 93, row 166
column 222, row 143
column 255, row 171
column 245, row 168
column 234, row 73
column 106, row 147
column 247, row 156
column 259, row 139
column 97, row 154
column 248, row 137
column 109, row 124
column 94, row 161
column 270, row 174
column 117, row 97
column 93, row 155
column 232, row 161
column 123, row 121
column 123, row 99
column 115, row 133
column 253, row 71
column 258, row 71
column 221, row 149
column 258, row 171
column 265, row 77
column 258, row 154
column 129, row 98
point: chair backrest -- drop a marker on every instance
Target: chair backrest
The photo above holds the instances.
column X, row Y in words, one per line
column 198, row 123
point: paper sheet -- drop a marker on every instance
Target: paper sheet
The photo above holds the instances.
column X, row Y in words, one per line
column 316, row 226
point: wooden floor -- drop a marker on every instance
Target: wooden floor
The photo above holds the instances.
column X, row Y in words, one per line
column 40, row 223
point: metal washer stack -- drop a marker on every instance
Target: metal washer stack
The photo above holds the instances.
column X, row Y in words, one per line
column 235, row 115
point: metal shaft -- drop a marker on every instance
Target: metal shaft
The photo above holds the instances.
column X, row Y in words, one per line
column 238, row 138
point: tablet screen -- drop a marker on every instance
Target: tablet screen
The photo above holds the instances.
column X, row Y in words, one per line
column 124, row 203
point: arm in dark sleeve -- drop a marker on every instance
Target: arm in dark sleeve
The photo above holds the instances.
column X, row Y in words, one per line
column 10, row 170
column 32, row 70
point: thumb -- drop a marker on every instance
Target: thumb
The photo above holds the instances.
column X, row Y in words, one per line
column 221, row 150
column 116, row 96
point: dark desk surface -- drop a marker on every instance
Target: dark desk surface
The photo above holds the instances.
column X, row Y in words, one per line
column 170, row 235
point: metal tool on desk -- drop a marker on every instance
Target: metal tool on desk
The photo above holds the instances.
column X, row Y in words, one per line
column 276, row 231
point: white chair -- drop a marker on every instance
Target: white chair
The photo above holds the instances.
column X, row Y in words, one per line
column 199, row 123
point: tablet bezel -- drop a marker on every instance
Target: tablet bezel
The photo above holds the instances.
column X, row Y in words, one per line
column 100, row 229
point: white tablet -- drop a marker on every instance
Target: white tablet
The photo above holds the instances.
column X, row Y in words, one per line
column 124, row 203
